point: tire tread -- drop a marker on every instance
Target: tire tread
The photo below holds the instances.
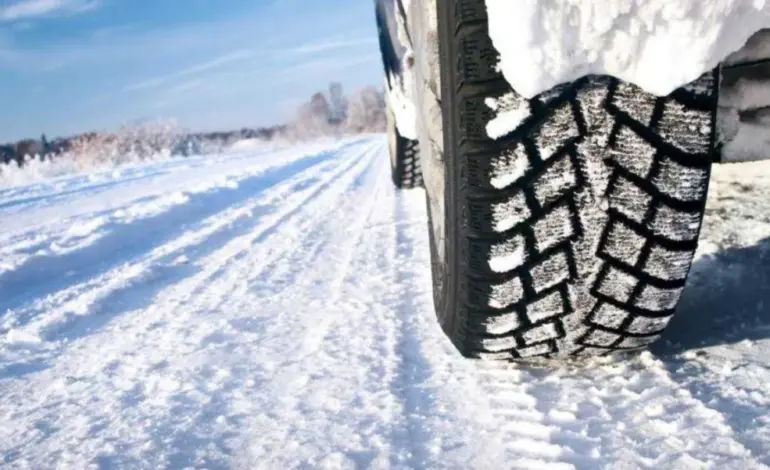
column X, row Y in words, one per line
column 614, row 163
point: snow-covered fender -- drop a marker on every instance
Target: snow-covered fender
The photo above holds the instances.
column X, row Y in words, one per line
column 396, row 57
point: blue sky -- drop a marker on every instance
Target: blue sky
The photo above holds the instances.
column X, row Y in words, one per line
column 68, row 66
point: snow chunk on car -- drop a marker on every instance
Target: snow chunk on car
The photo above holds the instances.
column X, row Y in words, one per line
column 659, row 45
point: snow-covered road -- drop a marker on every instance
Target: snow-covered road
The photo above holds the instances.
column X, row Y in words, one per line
column 272, row 309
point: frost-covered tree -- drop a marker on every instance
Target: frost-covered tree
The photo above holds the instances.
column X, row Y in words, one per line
column 366, row 111
column 152, row 139
column 312, row 119
column 338, row 104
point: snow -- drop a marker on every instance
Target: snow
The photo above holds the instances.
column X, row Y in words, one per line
column 273, row 309
column 508, row 116
column 658, row 45
column 401, row 103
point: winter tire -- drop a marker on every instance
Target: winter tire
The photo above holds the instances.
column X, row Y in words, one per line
column 573, row 232
column 404, row 158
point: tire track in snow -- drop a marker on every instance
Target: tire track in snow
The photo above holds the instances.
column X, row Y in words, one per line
column 605, row 414
column 742, row 402
column 239, row 275
column 630, row 410
column 162, row 174
column 452, row 412
column 103, row 297
column 179, row 330
column 722, row 361
column 85, row 221
column 18, row 286
column 410, row 298
column 526, row 436
column 346, row 327
column 329, row 189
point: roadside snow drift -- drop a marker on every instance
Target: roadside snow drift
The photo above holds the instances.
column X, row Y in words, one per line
column 658, row 45
column 273, row 309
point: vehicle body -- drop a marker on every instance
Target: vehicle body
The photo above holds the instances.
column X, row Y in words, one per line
column 562, row 222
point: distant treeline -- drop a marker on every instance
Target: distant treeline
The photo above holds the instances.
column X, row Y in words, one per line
column 331, row 114
column 181, row 144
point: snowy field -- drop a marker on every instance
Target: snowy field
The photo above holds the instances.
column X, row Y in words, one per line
column 272, row 309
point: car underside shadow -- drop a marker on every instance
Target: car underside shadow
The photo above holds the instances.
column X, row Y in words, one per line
column 726, row 301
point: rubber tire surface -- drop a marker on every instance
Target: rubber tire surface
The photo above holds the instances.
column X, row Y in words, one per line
column 572, row 234
column 404, row 158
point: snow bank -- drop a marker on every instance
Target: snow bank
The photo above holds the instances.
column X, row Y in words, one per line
column 658, row 45
column 250, row 144
column 34, row 169
column 37, row 169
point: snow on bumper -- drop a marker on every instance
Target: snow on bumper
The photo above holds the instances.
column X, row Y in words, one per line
column 658, row 45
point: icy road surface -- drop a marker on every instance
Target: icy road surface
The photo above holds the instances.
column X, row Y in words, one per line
column 273, row 311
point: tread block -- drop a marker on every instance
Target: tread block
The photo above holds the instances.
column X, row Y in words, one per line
column 501, row 324
column 634, row 102
column 629, row 199
column 553, row 229
column 505, row 215
column 498, row 344
column 509, row 168
column 506, row 294
column 552, row 305
column 635, row 342
column 550, row 272
column 668, row 264
column 512, row 114
column 538, row 350
column 470, row 11
column 687, row 129
column 675, row 224
column 618, row 285
column 556, row 181
column 633, row 153
column 508, row 255
column 623, row 244
column 407, row 173
column 609, row 316
column 601, row 338
column 658, row 299
column 680, row 182
column 646, row 325
column 540, row 333
column 557, row 131
column 477, row 61
column 475, row 114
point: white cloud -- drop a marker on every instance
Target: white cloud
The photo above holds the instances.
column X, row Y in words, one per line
column 330, row 44
column 193, row 70
column 27, row 9
column 315, row 47
column 325, row 65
